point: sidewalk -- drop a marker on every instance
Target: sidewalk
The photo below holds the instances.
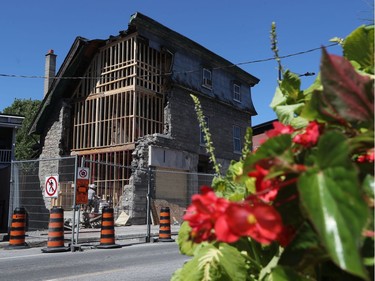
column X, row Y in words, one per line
column 91, row 236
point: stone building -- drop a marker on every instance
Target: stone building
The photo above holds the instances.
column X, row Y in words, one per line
column 126, row 100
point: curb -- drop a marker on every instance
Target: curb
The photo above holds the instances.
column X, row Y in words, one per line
column 35, row 242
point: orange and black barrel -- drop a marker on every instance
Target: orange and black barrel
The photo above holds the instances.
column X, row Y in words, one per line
column 165, row 225
column 17, row 230
column 55, row 241
column 107, row 232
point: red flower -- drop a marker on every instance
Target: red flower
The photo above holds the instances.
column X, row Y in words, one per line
column 310, row 137
column 368, row 157
column 203, row 213
column 266, row 188
column 258, row 221
column 279, row 129
column 211, row 217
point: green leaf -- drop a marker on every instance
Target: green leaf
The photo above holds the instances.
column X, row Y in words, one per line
column 289, row 100
column 359, row 47
column 286, row 113
column 274, row 147
column 290, row 87
column 334, row 204
column 369, row 186
column 333, row 150
column 363, row 141
column 210, row 263
column 187, row 246
column 278, row 99
column 299, row 122
column 316, row 85
column 282, row 273
column 304, row 251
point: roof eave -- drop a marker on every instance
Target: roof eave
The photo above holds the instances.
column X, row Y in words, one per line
column 71, row 67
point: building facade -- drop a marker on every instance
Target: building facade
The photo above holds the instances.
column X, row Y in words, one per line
column 126, row 100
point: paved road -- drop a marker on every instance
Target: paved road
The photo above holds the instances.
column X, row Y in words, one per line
column 153, row 261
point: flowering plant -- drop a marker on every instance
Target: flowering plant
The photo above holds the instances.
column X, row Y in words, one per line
column 300, row 207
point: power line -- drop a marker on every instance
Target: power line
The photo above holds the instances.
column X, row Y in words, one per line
column 165, row 74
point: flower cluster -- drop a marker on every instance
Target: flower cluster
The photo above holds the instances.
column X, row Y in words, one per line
column 266, row 188
column 215, row 218
column 366, row 158
column 317, row 170
column 203, row 213
column 307, row 138
column 310, row 136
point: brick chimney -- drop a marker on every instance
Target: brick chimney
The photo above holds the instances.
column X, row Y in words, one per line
column 49, row 70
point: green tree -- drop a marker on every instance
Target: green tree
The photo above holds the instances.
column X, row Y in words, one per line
column 24, row 142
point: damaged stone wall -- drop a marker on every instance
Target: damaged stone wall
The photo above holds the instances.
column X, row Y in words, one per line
column 55, row 145
column 135, row 193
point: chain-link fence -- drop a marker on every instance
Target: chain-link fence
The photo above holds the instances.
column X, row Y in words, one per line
column 174, row 189
column 32, row 182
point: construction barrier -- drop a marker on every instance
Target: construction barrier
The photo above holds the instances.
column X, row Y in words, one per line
column 107, row 233
column 17, row 230
column 55, row 241
column 165, row 225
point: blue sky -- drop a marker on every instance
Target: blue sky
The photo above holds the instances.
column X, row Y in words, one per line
column 239, row 31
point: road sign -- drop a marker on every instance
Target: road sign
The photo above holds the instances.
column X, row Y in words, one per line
column 83, row 175
column 51, row 187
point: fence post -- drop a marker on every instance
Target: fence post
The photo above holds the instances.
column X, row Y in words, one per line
column 148, row 207
column 74, row 203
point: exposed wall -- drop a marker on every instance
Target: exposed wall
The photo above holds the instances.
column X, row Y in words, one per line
column 55, row 144
column 185, row 127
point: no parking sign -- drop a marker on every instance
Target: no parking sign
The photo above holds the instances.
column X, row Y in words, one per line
column 51, row 187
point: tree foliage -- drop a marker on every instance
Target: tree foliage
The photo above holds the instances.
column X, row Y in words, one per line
column 24, row 142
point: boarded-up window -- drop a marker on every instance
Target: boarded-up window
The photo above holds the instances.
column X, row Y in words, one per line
column 171, row 186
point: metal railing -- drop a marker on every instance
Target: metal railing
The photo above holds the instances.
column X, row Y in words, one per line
column 5, row 155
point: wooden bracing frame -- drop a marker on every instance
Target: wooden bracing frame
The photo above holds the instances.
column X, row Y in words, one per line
column 110, row 171
column 120, row 100
column 116, row 119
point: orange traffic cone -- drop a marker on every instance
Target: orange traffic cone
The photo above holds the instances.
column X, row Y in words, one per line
column 55, row 241
column 165, row 226
column 17, row 230
column 107, row 233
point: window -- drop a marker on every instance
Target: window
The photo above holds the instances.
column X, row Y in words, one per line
column 236, row 92
column 237, row 139
column 207, row 78
column 202, row 134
